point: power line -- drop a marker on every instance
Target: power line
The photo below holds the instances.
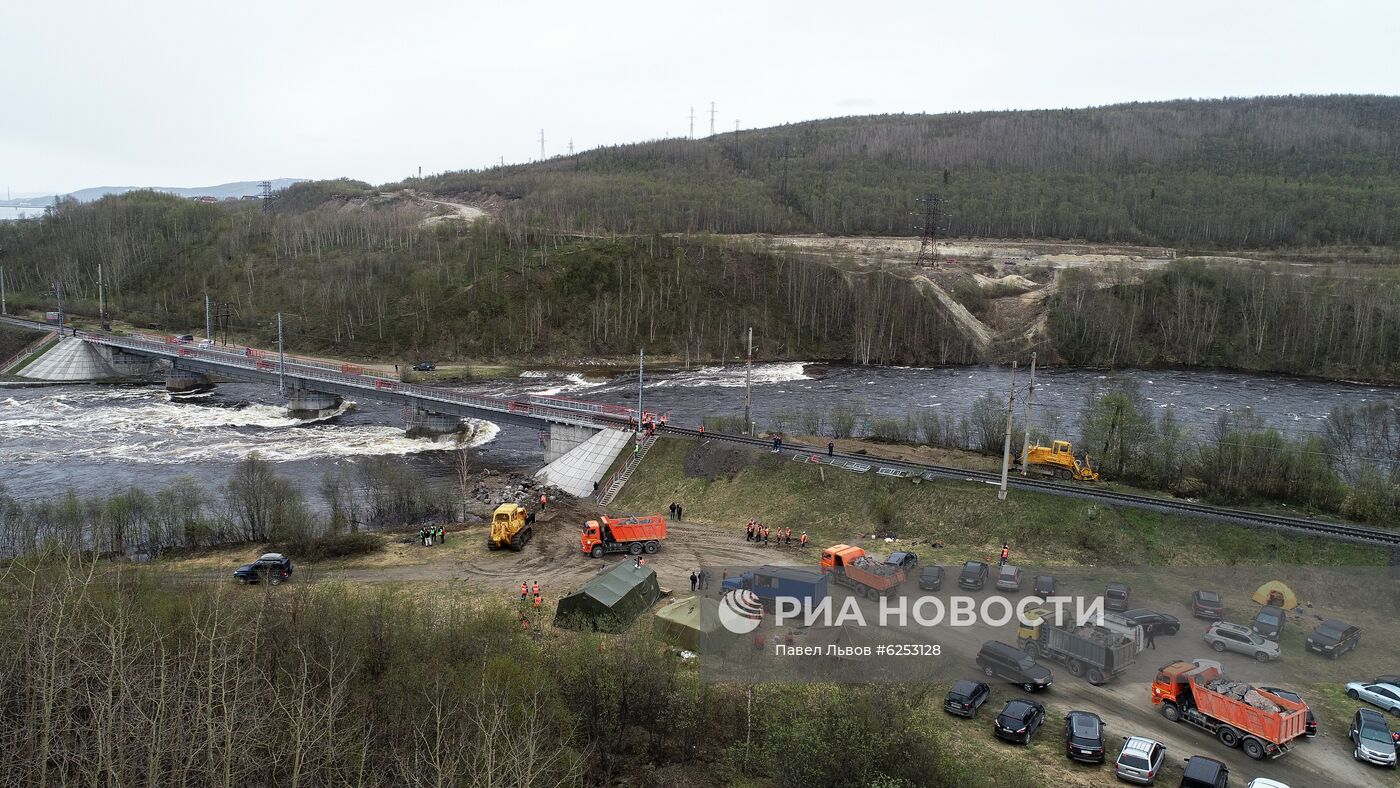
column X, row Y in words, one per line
column 692, row 123
column 541, row 144
column 712, row 119
column 933, row 218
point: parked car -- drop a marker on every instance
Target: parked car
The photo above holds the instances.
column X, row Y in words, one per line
column 1371, row 735
column 1224, row 636
column 1115, row 596
column 1043, row 585
column 1207, row 604
column 1084, row 737
column 966, row 697
column 931, row 578
column 1334, row 638
column 1265, row 782
column 1387, row 696
column 185, row 338
column 1018, row 721
column 1140, row 760
column 973, row 576
column 904, row 560
column 1009, row 578
column 1268, row 622
column 1165, row 623
column 998, row 659
column 272, row 567
column 1203, row 772
column 1311, row 729
column 424, row 366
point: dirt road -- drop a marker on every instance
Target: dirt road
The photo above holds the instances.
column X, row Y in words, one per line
column 466, row 213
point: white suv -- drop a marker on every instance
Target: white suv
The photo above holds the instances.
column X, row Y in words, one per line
column 1224, row 636
column 1140, row 761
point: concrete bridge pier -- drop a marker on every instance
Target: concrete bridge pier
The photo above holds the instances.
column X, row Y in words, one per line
column 127, row 364
column 564, row 438
column 307, row 404
column 420, row 423
column 182, row 381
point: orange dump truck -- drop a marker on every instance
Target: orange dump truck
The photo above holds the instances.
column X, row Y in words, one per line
column 854, row 568
column 1237, row 714
column 634, row 535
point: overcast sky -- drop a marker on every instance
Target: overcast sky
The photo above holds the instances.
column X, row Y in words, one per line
column 195, row 93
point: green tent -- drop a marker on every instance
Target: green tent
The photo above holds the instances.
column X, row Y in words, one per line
column 692, row 623
column 611, row 601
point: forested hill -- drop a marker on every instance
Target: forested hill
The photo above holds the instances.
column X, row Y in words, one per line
column 1231, row 173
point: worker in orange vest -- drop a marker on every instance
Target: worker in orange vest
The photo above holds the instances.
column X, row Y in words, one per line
column 537, row 603
column 535, row 589
column 544, row 500
column 787, row 535
column 802, row 541
column 524, row 591
column 1005, row 553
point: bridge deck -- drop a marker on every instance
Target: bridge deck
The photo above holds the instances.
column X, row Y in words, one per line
column 258, row 366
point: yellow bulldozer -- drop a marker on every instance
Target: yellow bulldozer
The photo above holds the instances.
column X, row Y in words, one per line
column 1058, row 460
column 510, row 527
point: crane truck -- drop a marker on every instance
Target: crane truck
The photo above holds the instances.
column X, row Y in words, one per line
column 633, row 535
column 1197, row 693
column 853, row 568
column 510, row 527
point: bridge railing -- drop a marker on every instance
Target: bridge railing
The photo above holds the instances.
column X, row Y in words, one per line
column 581, row 406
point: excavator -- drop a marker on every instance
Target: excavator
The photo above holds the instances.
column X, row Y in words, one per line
column 510, row 527
column 1058, row 460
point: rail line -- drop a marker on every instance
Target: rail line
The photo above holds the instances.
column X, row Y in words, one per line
column 1374, row 537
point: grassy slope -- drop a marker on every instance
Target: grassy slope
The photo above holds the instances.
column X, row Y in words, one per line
column 965, row 517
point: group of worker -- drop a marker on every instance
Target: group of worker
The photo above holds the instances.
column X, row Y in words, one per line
column 532, row 588
column 676, row 511
column 651, row 422
column 431, row 534
column 699, row 579
column 758, row 532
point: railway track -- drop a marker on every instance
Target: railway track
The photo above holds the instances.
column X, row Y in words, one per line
column 1374, row 537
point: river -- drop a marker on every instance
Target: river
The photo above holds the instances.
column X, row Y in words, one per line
column 96, row 438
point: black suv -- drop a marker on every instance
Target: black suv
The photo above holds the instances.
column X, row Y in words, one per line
column 966, row 697
column 1163, row 623
column 272, row 567
column 903, row 559
column 424, row 366
column 973, row 576
column 1084, row 737
column 1115, row 596
column 1203, row 772
column 996, row 658
column 1268, row 622
column 1018, row 721
column 1334, row 638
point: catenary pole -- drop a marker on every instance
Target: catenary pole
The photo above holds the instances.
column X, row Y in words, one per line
column 1030, row 395
column 1006, row 444
column 282, row 359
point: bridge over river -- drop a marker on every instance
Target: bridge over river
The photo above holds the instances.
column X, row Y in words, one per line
column 314, row 386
